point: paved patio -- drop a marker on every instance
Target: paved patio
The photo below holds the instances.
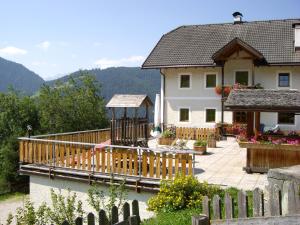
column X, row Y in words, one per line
column 224, row 166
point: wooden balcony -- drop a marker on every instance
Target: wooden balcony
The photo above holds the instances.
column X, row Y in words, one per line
column 81, row 156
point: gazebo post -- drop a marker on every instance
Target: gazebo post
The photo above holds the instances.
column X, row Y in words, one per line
column 123, row 135
column 134, row 139
column 146, row 126
column 250, row 124
column 112, row 124
column 257, row 124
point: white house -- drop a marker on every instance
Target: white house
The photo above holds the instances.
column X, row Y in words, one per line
column 195, row 59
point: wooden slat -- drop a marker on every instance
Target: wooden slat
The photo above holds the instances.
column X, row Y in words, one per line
column 124, row 156
column 144, row 164
column 136, row 166
column 157, row 165
column 114, row 158
column 130, row 161
column 73, row 150
column 68, row 156
column 21, row 151
column 83, row 166
column 170, row 166
column 78, row 156
column 56, row 155
column 108, row 161
column 119, row 157
column 89, row 159
column 176, row 164
column 164, row 166
column 103, row 160
column 50, row 153
column 62, row 155
column 190, row 162
column 97, row 160
column 26, row 151
column 151, row 164
column 39, row 150
column 183, row 164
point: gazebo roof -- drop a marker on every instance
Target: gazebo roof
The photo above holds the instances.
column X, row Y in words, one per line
column 263, row 100
column 129, row 101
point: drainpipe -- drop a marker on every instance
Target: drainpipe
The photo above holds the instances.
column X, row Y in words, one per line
column 162, row 98
column 222, row 101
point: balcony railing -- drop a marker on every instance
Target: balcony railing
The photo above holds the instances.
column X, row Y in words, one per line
column 67, row 156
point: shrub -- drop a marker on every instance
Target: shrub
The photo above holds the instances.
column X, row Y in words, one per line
column 168, row 134
column 201, row 143
column 181, row 193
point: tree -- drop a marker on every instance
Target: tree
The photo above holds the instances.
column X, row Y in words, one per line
column 72, row 106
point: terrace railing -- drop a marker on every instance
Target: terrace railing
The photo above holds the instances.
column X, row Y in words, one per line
column 107, row 160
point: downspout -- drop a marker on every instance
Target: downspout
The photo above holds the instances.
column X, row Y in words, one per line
column 162, row 98
column 222, row 101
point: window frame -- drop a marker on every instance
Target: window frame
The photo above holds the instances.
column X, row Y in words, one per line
column 205, row 80
column 235, row 116
column 205, row 117
column 290, row 79
column 290, row 124
column 243, row 70
column 179, row 112
column 179, row 81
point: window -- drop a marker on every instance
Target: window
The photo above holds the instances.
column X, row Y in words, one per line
column 210, row 115
column 283, row 80
column 211, row 80
column 241, row 77
column 240, row 117
column 185, row 81
column 286, row 118
column 184, row 115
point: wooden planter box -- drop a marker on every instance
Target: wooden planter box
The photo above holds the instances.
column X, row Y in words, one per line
column 165, row 141
column 211, row 143
column 200, row 149
column 262, row 157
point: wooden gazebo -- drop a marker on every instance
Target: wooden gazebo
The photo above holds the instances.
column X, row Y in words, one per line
column 128, row 130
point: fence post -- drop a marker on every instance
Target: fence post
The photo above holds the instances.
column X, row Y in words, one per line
column 228, row 206
column 79, row 221
column 126, row 211
column 275, row 200
column 103, row 218
column 289, row 196
column 114, row 215
column 200, row 220
column 91, row 219
column 258, row 203
column 205, row 206
column 217, row 207
column 135, row 210
column 242, row 204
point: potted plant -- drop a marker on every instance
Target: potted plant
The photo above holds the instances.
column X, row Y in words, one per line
column 167, row 137
column 200, row 146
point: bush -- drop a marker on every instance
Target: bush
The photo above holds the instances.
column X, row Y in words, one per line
column 201, row 143
column 181, row 193
column 168, row 134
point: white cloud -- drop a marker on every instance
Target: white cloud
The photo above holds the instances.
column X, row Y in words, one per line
column 12, row 51
column 44, row 45
column 130, row 61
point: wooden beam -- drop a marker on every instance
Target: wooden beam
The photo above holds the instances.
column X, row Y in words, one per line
column 250, row 123
column 257, row 124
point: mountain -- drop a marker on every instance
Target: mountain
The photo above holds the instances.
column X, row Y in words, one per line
column 19, row 77
column 123, row 80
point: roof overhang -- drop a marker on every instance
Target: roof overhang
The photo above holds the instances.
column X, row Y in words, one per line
column 261, row 100
column 233, row 46
column 129, row 101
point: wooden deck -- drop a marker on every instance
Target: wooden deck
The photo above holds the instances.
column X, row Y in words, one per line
column 40, row 154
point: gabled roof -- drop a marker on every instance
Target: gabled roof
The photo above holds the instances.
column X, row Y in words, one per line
column 263, row 100
column 232, row 46
column 195, row 45
column 129, row 101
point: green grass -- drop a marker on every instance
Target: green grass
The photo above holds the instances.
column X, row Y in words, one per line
column 181, row 217
column 13, row 195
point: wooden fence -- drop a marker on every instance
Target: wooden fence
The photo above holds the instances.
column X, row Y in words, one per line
column 275, row 203
column 88, row 136
column 121, row 160
column 128, row 219
column 195, row 133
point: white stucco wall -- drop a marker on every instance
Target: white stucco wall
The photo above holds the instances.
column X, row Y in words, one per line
column 40, row 187
column 197, row 98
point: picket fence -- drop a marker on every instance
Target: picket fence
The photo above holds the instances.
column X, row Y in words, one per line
column 133, row 219
column 276, row 204
column 191, row 133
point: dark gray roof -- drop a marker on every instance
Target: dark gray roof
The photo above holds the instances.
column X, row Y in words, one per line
column 129, row 101
column 263, row 100
column 195, row 45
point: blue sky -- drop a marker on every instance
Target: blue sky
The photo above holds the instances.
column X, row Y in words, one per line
column 56, row 37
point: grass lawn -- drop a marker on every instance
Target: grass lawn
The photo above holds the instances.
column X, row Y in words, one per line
column 13, row 195
column 181, row 217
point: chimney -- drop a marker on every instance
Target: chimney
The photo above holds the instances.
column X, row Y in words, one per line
column 237, row 17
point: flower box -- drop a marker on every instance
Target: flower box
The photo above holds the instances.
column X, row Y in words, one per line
column 200, row 149
column 165, row 141
column 269, row 146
